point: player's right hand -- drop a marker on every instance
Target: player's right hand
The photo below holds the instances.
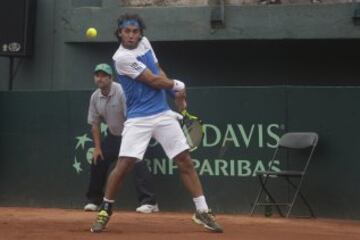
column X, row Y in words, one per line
column 97, row 154
column 180, row 100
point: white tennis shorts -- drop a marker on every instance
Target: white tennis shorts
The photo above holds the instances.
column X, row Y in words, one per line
column 164, row 127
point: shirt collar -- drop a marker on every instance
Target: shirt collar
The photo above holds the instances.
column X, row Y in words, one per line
column 112, row 92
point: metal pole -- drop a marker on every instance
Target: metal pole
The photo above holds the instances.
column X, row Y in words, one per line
column 11, row 73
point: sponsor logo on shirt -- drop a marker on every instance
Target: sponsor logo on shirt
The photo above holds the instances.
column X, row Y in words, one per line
column 136, row 66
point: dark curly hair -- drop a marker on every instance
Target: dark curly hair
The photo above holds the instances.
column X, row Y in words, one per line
column 126, row 17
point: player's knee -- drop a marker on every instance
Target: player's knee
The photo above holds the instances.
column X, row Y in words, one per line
column 185, row 164
column 123, row 167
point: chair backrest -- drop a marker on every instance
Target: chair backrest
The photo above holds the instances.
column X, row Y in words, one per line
column 299, row 140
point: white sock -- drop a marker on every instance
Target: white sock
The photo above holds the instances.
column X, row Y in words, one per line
column 200, row 204
column 108, row 200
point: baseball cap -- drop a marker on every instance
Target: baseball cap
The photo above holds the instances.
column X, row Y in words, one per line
column 105, row 68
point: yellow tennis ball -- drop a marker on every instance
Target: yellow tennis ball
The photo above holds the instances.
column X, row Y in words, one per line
column 91, row 33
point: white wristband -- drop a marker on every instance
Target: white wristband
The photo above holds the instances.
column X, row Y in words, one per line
column 178, row 85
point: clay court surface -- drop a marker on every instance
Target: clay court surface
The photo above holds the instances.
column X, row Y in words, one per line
column 52, row 224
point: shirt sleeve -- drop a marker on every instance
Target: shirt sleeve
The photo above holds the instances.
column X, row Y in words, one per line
column 148, row 45
column 93, row 114
column 128, row 65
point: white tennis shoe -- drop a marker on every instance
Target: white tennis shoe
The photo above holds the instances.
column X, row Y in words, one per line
column 148, row 208
column 90, row 207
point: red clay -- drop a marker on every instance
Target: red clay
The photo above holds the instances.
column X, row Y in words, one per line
column 53, row 224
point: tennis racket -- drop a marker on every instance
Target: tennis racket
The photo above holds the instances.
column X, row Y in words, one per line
column 193, row 130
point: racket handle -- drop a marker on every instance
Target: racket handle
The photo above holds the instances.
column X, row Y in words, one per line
column 188, row 115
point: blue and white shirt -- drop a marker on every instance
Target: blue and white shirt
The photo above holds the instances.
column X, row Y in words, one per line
column 141, row 99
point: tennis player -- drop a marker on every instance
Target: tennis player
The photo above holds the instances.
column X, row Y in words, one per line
column 148, row 115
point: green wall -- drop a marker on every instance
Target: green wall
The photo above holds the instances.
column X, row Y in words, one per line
column 39, row 130
column 207, row 63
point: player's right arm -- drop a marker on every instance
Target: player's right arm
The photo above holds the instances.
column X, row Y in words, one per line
column 180, row 100
column 94, row 120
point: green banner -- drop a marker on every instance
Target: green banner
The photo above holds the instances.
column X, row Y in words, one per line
column 47, row 146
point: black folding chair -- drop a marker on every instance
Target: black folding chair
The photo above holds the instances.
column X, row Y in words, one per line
column 292, row 140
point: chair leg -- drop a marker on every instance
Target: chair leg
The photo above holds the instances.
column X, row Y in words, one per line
column 262, row 184
column 272, row 199
column 301, row 196
column 295, row 197
column 253, row 208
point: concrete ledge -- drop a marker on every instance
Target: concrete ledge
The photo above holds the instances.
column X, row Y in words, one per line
column 328, row 21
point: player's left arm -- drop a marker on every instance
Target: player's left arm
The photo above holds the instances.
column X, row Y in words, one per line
column 179, row 97
column 164, row 75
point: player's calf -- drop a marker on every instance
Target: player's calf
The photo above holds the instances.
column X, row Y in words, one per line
column 203, row 214
column 115, row 179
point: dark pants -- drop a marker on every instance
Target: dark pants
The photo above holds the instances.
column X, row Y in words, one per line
column 110, row 148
